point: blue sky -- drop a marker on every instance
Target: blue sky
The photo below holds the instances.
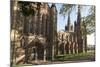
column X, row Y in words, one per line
column 61, row 21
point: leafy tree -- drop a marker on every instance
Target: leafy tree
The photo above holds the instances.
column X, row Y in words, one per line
column 88, row 21
column 66, row 9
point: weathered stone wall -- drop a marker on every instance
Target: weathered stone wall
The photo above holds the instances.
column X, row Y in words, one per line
column 72, row 38
column 42, row 23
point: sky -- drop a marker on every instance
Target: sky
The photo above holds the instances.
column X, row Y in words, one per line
column 61, row 21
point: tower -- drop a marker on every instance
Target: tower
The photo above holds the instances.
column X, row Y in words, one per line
column 69, row 26
column 79, row 35
column 75, row 25
column 53, row 26
column 68, row 22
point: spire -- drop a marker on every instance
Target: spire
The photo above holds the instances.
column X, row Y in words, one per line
column 53, row 8
column 68, row 22
column 75, row 24
column 79, row 32
column 53, row 5
column 79, row 16
column 66, row 28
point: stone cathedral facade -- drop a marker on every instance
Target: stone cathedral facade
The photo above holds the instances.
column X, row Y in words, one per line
column 38, row 31
column 71, row 40
column 39, row 39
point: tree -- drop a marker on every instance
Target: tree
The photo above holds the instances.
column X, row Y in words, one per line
column 89, row 20
column 87, row 23
column 66, row 9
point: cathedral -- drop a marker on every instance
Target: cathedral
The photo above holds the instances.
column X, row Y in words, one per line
column 37, row 31
column 71, row 40
column 39, row 40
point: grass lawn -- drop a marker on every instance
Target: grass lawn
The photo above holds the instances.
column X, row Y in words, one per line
column 90, row 55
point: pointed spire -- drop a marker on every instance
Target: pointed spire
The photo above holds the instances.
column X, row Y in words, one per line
column 75, row 24
column 53, row 5
column 53, row 8
column 68, row 22
column 79, row 15
column 66, row 28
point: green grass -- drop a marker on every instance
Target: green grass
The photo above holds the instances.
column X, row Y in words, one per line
column 69, row 57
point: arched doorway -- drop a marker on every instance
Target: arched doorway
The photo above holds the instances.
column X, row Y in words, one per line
column 37, row 50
